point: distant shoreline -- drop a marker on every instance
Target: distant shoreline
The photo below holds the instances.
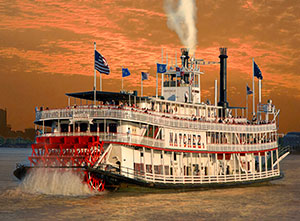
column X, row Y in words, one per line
column 16, row 145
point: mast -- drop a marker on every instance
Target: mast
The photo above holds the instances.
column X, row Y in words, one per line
column 122, row 77
column 253, row 108
column 162, row 75
column 141, row 85
column 259, row 98
column 216, row 92
column 95, row 76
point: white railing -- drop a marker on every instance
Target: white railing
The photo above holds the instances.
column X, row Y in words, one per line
column 191, row 179
column 160, row 119
column 242, row 147
column 210, row 178
column 138, row 140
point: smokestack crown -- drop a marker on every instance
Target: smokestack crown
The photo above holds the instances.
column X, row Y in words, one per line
column 223, row 51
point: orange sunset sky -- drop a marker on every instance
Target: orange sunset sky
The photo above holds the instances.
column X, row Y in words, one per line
column 46, row 50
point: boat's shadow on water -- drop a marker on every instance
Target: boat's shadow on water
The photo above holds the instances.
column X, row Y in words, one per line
column 22, row 192
column 137, row 190
column 66, row 185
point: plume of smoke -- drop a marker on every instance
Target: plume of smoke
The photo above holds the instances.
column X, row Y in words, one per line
column 181, row 18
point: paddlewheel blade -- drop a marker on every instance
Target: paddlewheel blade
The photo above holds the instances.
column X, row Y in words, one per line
column 72, row 152
column 94, row 182
column 95, row 151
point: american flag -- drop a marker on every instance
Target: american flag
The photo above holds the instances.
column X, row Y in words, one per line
column 101, row 63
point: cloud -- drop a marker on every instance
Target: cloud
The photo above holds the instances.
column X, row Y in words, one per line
column 56, row 38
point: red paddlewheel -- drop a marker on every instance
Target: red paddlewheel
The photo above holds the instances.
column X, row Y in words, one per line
column 65, row 151
column 94, row 153
column 94, row 182
column 69, row 152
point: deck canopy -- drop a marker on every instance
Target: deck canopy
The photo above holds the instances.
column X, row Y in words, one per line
column 106, row 96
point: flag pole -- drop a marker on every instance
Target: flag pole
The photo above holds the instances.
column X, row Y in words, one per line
column 141, row 85
column 100, row 81
column 122, row 77
column 259, row 97
column 216, row 91
column 247, row 102
column 259, row 91
column 95, row 76
column 156, row 93
column 253, row 87
column 163, row 73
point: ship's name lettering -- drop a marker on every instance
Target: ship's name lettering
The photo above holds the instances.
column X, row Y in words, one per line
column 186, row 140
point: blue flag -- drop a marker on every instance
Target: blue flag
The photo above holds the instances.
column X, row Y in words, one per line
column 161, row 68
column 101, row 63
column 125, row 72
column 249, row 90
column 257, row 71
column 145, row 76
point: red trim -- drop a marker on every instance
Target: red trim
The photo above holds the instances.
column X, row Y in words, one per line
column 88, row 134
column 188, row 151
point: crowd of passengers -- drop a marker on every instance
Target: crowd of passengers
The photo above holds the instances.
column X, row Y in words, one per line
column 169, row 110
column 243, row 139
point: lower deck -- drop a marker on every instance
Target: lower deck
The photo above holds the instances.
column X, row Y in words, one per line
column 154, row 166
column 114, row 180
column 169, row 167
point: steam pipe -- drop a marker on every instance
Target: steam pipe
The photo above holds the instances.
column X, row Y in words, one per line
column 184, row 57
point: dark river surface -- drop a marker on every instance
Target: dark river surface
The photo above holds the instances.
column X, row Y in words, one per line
column 55, row 196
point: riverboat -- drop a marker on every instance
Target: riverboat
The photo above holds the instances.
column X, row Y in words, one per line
column 174, row 140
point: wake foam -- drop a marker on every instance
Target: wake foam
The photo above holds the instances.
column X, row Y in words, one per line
column 55, row 182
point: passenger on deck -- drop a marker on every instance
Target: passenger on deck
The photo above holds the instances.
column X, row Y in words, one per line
column 129, row 135
column 186, row 97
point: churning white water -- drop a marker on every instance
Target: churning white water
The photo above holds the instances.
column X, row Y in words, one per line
column 55, row 182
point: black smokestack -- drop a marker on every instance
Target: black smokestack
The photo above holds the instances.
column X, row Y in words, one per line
column 185, row 57
column 223, row 81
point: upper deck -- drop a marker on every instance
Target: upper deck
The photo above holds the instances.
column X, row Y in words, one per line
column 204, row 121
column 235, row 126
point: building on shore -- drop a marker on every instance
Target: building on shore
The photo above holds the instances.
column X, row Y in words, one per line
column 7, row 132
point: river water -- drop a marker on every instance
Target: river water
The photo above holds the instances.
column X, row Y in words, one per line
column 52, row 196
